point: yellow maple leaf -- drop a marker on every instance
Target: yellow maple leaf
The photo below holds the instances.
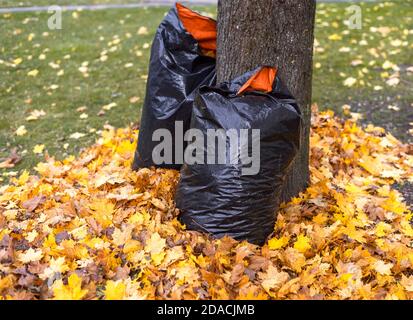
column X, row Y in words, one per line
column 406, row 228
column 17, row 61
column 103, row 210
column 185, row 272
column 142, row 30
column 24, row 177
column 407, row 283
column 21, row 131
column 382, row 228
column 72, row 291
column 349, row 82
column 382, row 267
column 294, row 259
column 335, row 37
column 387, row 65
column 6, row 282
column 302, row 244
column 273, row 279
column 320, row 219
column 115, row 290
column 275, row 244
column 121, row 236
column 372, row 165
column 33, row 73
column 394, row 204
column 354, row 233
column 55, row 266
column 38, row 148
column 30, row 255
column 50, row 242
column 126, row 147
column 155, row 246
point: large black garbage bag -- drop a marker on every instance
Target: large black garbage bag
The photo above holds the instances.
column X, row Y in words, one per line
column 182, row 59
column 222, row 199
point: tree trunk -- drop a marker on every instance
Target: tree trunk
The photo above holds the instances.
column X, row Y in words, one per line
column 252, row 33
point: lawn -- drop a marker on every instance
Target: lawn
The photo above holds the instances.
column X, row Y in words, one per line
column 89, row 227
column 60, row 87
column 28, row 3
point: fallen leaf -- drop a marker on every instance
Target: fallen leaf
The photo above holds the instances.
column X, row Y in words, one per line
column 38, row 148
column 33, row 73
column 21, row 131
column 72, row 291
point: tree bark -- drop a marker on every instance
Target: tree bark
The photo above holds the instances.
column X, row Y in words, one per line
column 280, row 33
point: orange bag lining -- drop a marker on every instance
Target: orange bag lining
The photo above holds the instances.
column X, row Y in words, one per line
column 263, row 80
column 203, row 29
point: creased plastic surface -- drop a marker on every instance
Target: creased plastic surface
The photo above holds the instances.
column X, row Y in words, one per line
column 217, row 198
column 176, row 70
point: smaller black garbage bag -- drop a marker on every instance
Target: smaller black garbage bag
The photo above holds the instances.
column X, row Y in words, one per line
column 182, row 59
column 235, row 190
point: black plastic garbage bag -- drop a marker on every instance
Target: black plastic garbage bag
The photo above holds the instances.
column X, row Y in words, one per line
column 224, row 198
column 182, row 59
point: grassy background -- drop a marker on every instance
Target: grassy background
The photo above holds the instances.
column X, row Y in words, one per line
column 28, row 3
column 384, row 24
column 85, row 35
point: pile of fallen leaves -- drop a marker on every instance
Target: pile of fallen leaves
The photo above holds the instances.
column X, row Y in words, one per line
column 90, row 228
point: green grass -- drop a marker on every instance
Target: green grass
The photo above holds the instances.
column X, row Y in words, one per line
column 336, row 66
column 86, row 34
column 83, row 39
column 370, row 49
column 28, row 3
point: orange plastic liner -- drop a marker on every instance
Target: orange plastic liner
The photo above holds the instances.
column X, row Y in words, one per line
column 261, row 81
column 203, row 29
